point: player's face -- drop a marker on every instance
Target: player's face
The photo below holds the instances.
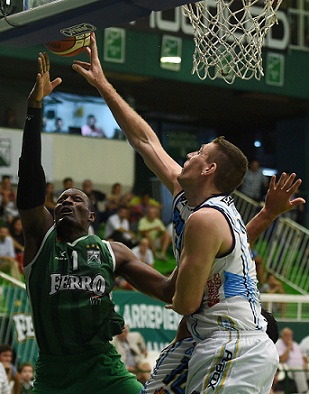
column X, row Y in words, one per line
column 73, row 208
column 194, row 165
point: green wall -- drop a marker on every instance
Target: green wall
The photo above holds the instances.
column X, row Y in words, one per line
column 142, row 58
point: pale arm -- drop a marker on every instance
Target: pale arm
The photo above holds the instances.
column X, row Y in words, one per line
column 207, row 235
column 278, row 200
column 140, row 135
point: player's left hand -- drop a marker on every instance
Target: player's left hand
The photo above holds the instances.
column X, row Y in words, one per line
column 279, row 198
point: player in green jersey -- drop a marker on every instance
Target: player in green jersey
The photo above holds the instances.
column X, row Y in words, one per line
column 70, row 276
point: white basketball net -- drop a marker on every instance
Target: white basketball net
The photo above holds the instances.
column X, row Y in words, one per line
column 229, row 35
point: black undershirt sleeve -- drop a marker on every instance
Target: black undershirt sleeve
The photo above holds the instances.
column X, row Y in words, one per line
column 31, row 184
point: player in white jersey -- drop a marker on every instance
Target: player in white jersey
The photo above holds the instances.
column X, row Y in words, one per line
column 203, row 237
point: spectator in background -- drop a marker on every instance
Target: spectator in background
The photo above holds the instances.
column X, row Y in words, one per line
column 59, row 126
column 10, row 119
column 122, row 284
column 14, row 379
column 7, row 199
column 143, row 252
column 132, row 349
column 290, row 353
column 4, row 383
column 117, row 228
column 8, row 262
column 91, row 130
column 273, row 286
column 50, row 198
column 139, row 206
column 26, row 371
column 152, row 228
column 95, row 197
column 67, row 183
column 17, row 234
column 113, row 200
column 254, row 183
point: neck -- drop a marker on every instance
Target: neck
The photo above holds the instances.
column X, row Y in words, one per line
column 69, row 233
column 196, row 196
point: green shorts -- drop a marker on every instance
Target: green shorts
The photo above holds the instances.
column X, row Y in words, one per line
column 96, row 372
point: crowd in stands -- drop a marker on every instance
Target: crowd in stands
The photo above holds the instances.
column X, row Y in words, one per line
column 13, row 380
column 132, row 349
column 134, row 220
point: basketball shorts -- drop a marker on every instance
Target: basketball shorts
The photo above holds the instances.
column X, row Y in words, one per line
column 170, row 373
column 233, row 363
column 96, row 372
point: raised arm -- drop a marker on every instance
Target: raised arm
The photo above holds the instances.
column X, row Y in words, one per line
column 31, row 185
column 278, row 200
column 140, row 135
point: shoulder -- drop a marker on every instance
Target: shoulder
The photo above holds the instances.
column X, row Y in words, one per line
column 207, row 223
column 205, row 216
column 9, row 240
column 122, row 254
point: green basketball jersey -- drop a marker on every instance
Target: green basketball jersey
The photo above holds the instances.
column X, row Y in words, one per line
column 69, row 287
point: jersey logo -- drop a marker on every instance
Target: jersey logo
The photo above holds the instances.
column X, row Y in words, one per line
column 95, row 285
column 61, row 256
column 228, row 200
column 220, row 369
column 93, row 255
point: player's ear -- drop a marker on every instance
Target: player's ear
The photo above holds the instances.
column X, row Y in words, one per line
column 209, row 169
column 91, row 216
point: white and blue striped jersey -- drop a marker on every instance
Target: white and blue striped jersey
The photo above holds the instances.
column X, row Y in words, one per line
column 231, row 298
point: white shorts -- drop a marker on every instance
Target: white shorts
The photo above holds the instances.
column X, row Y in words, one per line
column 170, row 373
column 233, row 363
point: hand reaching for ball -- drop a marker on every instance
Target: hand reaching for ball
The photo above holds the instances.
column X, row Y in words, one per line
column 43, row 85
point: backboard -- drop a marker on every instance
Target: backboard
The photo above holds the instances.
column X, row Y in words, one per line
column 62, row 18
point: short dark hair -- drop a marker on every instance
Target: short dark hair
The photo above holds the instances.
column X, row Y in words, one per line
column 23, row 365
column 5, row 348
column 5, row 177
column 232, row 165
column 67, row 179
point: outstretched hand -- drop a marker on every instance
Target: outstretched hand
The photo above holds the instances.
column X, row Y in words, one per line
column 92, row 70
column 279, row 195
column 43, row 85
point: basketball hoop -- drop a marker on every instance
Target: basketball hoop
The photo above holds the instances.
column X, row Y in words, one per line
column 229, row 35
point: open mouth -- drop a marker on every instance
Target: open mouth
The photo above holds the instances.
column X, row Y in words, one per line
column 65, row 212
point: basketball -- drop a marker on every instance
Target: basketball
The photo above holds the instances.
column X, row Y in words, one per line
column 70, row 46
